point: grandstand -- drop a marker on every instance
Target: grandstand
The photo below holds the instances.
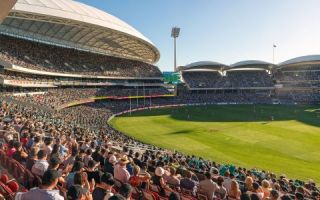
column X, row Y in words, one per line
column 56, row 47
column 298, row 79
column 249, row 74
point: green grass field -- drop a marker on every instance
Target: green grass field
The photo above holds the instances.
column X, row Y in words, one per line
column 243, row 135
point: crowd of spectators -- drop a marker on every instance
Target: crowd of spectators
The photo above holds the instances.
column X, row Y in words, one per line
column 71, row 81
column 61, row 96
column 44, row 57
column 78, row 156
column 298, row 78
column 232, row 79
column 298, row 96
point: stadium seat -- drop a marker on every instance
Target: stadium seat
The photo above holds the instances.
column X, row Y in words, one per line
column 4, row 178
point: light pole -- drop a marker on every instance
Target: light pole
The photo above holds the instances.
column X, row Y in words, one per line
column 274, row 46
column 175, row 33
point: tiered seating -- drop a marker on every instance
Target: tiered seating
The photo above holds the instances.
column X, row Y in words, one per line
column 83, row 131
column 43, row 57
column 232, row 79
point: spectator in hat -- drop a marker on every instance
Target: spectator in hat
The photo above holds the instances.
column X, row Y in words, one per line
column 46, row 190
column 41, row 165
column 158, row 180
column 120, row 170
column 103, row 189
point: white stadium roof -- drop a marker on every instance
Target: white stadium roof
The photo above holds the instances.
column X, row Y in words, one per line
column 250, row 62
column 204, row 63
column 74, row 24
column 301, row 59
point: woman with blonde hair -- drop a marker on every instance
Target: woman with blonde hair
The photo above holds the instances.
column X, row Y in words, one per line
column 248, row 183
column 265, row 188
column 234, row 192
column 137, row 179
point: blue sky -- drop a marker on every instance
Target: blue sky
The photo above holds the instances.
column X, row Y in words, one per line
column 225, row 31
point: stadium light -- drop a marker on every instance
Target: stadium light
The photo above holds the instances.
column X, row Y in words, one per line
column 274, row 46
column 175, row 32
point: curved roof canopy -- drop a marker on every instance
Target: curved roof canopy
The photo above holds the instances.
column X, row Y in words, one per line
column 73, row 24
column 204, row 65
column 251, row 64
column 301, row 59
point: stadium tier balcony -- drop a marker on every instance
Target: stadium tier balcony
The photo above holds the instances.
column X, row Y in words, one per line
column 42, row 57
column 231, row 80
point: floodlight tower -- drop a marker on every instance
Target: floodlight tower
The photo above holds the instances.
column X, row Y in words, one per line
column 175, row 33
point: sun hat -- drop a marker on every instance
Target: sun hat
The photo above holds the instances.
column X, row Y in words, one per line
column 159, row 171
column 124, row 160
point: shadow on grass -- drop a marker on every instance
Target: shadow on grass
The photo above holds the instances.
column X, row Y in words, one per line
column 180, row 132
column 308, row 114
